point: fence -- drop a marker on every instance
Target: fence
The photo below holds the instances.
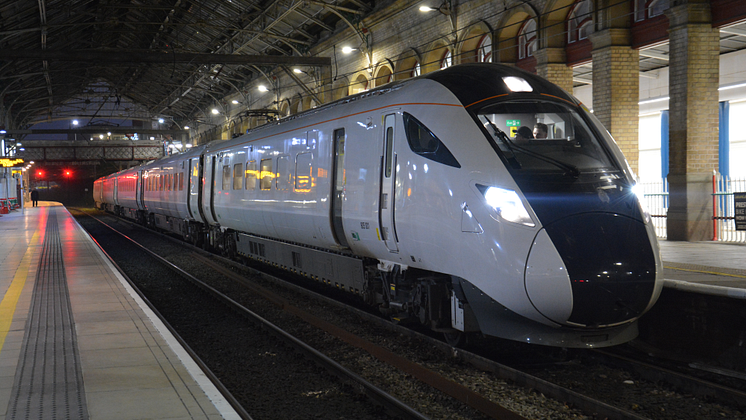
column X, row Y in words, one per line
column 656, row 201
column 723, row 215
column 723, row 207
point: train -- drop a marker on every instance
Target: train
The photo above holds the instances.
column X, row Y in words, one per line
column 428, row 199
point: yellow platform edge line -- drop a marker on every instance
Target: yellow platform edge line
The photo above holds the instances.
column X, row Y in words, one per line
column 10, row 300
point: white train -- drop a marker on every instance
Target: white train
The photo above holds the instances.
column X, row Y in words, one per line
column 422, row 198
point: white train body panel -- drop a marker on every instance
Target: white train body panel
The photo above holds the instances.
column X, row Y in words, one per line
column 408, row 176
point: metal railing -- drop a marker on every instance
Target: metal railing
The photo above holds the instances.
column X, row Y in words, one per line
column 723, row 208
column 656, row 201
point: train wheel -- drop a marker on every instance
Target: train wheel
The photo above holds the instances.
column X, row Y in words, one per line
column 455, row 339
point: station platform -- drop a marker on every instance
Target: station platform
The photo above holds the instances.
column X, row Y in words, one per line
column 707, row 267
column 76, row 341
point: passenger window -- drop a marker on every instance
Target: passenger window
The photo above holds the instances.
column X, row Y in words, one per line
column 251, row 175
column 181, row 181
column 303, row 171
column 423, row 142
column 283, row 173
column 267, row 174
column 237, row 176
column 226, row 177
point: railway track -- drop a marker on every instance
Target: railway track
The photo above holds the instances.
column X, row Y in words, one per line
column 500, row 373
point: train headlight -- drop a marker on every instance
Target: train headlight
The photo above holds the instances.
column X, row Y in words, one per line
column 507, row 204
column 639, row 191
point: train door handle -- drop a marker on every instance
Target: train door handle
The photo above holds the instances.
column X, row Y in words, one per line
column 384, row 201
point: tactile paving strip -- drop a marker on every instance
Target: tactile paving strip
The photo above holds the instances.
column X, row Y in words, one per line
column 48, row 381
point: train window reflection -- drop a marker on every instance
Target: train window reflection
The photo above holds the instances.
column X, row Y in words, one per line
column 267, row 174
column 303, row 171
column 251, row 175
column 544, row 136
column 238, row 176
column 423, row 142
column 226, row 177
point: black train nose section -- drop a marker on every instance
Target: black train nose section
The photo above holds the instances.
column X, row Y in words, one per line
column 610, row 263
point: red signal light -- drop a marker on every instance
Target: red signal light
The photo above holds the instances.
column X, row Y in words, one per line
column 68, row 173
column 40, row 173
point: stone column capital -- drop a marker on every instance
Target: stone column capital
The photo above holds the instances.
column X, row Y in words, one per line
column 689, row 12
column 611, row 37
column 550, row 56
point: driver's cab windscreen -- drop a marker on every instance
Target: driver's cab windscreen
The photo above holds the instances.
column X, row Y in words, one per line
column 530, row 131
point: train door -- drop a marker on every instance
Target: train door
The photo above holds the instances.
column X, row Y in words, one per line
column 139, row 194
column 386, row 201
column 208, row 188
column 338, row 186
column 116, row 191
column 194, row 200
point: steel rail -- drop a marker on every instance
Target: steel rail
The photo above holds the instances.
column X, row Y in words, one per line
column 584, row 403
column 202, row 365
column 390, row 403
column 425, row 375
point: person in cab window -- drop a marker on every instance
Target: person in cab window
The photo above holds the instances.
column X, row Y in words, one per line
column 540, row 131
column 523, row 134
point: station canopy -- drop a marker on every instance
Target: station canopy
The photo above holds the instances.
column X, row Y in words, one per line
column 139, row 59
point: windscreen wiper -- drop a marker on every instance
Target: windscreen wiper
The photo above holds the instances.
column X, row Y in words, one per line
column 500, row 135
column 569, row 169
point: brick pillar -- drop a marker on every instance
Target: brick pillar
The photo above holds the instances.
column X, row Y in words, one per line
column 551, row 64
column 693, row 130
column 616, row 88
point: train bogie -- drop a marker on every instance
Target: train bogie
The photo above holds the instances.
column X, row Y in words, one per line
column 423, row 198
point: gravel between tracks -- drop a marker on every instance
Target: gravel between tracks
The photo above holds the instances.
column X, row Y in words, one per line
column 617, row 387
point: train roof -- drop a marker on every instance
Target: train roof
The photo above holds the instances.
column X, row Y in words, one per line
column 477, row 83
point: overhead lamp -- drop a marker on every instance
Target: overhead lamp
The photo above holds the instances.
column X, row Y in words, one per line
column 347, row 49
column 297, row 71
column 186, row 127
column 75, row 122
column 215, row 111
column 444, row 8
column 108, row 133
column 161, row 120
column 262, row 88
column 234, row 102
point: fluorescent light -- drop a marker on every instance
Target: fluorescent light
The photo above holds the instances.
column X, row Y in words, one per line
column 215, row 111
column 262, row 88
column 426, row 9
column 234, row 102
column 651, row 101
column 736, row 86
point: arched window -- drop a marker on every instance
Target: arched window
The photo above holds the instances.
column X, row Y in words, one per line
column 579, row 21
column 527, row 39
column 484, row 50
column 447, row 60
column 645, row 9
column 416, row 70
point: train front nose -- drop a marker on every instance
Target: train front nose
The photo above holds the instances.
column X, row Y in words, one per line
column 607, row 260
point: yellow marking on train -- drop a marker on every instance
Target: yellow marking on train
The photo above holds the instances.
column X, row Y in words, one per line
column 10, row 300
column 378, row 234
column 740, row 276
